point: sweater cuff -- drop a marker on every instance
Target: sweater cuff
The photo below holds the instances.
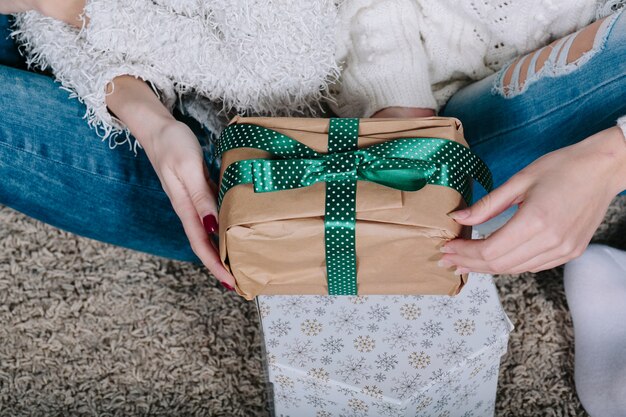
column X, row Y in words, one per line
column 384, row 62
column 364, row 96
column 85, row 71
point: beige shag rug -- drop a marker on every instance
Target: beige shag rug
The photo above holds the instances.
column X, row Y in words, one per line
column 91, row 329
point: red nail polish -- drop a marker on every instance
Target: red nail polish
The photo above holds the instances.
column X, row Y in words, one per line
column 228, row 287
column 210, row 224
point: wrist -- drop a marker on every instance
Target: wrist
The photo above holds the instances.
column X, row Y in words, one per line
column 404, row 112
column 136, row 105
column 68, row 11
column 610, row 147
column 159, row 129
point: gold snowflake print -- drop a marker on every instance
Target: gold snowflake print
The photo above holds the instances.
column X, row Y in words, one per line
column 372, row 391
column 357, row 405
column 264, row 310
column 359, row 299
column 410, row 311
column 364, row 344
column 284, row 381
column 311, row 327
column 424, row 403
column 319, row 373
column 477, row 370
column 464, row 327
column 323, row 413
column 419, row 360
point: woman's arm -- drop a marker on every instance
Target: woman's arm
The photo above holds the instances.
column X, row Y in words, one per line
column 133, row 102
column 171, row 146
column 68, row 11
column 177, row 158
column 81, row 68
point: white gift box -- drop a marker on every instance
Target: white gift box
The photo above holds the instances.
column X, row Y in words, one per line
column 361, row 356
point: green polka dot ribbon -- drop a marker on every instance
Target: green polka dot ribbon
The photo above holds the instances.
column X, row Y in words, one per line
column 406, row 164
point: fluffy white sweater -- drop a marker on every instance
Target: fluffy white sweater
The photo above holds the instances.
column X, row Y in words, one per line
column 254, row 56
column 286, row 56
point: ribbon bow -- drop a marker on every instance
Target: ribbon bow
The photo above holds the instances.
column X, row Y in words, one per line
column 406, row 164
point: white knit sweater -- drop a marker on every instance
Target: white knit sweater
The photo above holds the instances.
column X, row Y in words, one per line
column 286, row 56
column 423, row 51
column 273, row 58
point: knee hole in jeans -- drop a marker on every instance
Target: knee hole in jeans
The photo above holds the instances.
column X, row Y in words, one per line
column 558, row 58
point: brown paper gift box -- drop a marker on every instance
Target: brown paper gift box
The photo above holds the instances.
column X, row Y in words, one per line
column 273, row 243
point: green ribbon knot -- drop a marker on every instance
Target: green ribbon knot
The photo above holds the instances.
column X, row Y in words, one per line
column 406, row 164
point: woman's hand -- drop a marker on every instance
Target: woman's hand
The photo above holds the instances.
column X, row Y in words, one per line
column 562, row 198
column 177, row 158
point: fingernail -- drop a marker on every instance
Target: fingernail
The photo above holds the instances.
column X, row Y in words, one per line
column 461, row 214
column 446, row 249
column 228, row 287
column 444, row 263
column 210, row 223
column 461, row 271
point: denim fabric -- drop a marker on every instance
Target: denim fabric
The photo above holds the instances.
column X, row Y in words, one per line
column 555, row 109
column 8, row 52
column 55, row 168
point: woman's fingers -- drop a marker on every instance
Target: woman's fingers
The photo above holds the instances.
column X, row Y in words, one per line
column 178, row 160
column 203, row 199
column 200, row 240
column 498, row 250
column 535, row 251
column 494, row 203
column 196, row 183
column 477, row 254
column 193, row 203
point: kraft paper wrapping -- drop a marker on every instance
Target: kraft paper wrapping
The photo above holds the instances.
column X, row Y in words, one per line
column 273, row 243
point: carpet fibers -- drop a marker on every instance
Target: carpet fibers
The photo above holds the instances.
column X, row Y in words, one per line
column 95, row 330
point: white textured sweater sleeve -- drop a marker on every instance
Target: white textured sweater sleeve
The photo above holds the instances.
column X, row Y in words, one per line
column 85, row 71
column 382, row 56
column 273, row 58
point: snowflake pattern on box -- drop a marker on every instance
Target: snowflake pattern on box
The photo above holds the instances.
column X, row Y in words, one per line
column 386, row 355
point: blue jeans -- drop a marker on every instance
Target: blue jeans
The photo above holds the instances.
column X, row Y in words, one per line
column 55, row 169
column 557, row 108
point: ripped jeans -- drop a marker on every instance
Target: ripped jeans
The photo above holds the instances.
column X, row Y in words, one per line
column 54, row 168
column 544, row 101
